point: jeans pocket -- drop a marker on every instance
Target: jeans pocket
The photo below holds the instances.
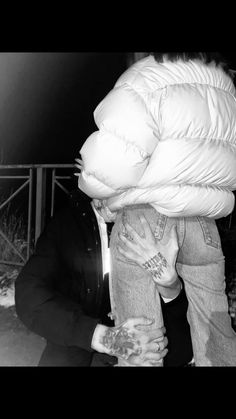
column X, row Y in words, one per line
column 210, row 232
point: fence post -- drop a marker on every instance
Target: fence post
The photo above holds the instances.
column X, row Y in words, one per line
column 40, row 201
column 29, row 211
column 53, row 191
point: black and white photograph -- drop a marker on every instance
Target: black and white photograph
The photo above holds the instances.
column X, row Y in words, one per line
column 117, row 209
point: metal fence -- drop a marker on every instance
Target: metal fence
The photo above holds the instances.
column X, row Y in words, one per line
column 37, row 179
column 41, row 180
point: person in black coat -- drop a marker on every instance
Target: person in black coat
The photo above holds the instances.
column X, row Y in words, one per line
column 61, row 295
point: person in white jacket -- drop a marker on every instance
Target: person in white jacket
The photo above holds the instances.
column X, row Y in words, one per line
column 166, row 149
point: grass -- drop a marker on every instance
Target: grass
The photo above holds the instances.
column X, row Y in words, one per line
column 14, row 227
column 13, row 223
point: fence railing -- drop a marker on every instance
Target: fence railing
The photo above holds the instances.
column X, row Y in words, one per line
column 40, row 184
column 41, row 180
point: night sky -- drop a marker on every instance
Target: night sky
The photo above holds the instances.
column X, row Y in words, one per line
column 47, row 102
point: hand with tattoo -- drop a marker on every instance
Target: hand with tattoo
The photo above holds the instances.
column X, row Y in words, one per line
column 154, row 256
column 133, row 341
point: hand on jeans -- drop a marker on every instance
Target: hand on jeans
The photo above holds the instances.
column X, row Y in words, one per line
column 132, row 341
column 103, row 210
column 140, row 249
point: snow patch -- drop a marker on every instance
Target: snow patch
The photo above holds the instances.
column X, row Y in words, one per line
column 7, row 297
column 7, row 288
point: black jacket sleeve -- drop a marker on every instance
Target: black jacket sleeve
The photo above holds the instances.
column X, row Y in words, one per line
column 180, row 350
column 44, row 310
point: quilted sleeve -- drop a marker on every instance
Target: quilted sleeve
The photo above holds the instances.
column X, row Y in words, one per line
column 116, row 156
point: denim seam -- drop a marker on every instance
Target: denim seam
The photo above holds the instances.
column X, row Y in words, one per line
column 207, row 235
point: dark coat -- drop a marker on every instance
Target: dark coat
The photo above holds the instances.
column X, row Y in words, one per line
column 60, row 293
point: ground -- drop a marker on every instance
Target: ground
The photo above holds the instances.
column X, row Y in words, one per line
column 18, row 346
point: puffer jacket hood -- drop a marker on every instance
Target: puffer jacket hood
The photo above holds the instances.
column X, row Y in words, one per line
column 166, row 136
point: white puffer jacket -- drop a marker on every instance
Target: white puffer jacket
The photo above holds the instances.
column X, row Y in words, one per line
column 167, row 136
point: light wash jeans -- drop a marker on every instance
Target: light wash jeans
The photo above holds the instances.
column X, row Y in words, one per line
column 200, row 263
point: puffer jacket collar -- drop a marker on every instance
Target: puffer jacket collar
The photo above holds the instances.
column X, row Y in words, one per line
column 169, row 73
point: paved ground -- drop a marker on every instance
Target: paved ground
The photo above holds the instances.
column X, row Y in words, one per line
column 18, row 346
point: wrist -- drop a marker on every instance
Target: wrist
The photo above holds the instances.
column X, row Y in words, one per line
column 170, row 292
column 98, row 335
